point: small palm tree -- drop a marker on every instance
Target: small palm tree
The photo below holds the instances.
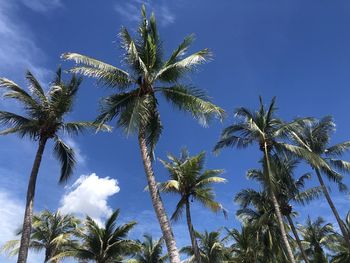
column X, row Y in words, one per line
column 188, row 180
column 151, row 251
column 52, row 232
column 45, row 113
column 257, row 210
column 317, row 235
column 211, row 248
column 265, row 129
column 339, row 247
column 314, row 136
column 104, row 244
column 245, row 247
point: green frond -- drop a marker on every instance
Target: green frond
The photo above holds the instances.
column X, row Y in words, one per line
column 176, row 216
column 81, row 126
column 36, row 88
column 170, row 186
column 180, row 51
column 340, row 165
column 112, row 106
column 194, row 101
column 171, row 73
column 16, row 92
column 338, row 149
column 105, row 73
column 65, row 155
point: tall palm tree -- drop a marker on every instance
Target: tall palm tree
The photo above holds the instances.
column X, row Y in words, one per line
column 265, row 129
column 52, row 232
column 135, row 103
column 211, row 248
column 317, row 235
column 314, row 136
column 44, row 119
column 104, row 244
column 188, row 180
column 151, row 251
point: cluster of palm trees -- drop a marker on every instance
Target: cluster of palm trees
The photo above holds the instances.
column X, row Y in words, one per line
column 268, row 232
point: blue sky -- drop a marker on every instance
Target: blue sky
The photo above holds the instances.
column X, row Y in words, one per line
column 296, row 50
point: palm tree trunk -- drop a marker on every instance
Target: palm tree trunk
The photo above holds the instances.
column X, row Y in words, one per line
column 277, row 208
column 334, row 210
column 157, row 201
column 195, row 248
column 290, row 221
column 28, row 214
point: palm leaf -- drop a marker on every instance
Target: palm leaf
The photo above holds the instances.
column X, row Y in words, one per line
column 66, row 156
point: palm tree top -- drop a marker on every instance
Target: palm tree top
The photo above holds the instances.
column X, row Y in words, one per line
column 259, row 126
column 135, row 104
column 45, row 114
column 189, row 179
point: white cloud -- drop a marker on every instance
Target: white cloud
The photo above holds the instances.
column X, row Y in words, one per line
column 18, row 49
column 42, row 5
column 130, row 11
column 89, row 195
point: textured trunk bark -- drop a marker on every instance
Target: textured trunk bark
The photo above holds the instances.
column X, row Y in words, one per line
column 334, row 210
column 195, row 248
column 290, row 221
column 277, row 208
column 28, row 214
column 157, row 202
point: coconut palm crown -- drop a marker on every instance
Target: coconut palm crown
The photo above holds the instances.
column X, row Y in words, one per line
column 135, row 106
column 52, row 232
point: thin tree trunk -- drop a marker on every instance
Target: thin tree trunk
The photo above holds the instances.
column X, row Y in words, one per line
column 334, row 210
column 27, row 222
column 290, row 221
column 277, row 208
column 157, row 201
column 195, row 248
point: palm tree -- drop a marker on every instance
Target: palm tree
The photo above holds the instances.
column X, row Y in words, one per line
column 52, row 232
column 246, row 248
column 104, row 244
column 342, row 253
column 135, row 104
column 257, row 211
column 314, row 136
column 317, row 235
column 211, row 248
column 151, row 251
column 288, row 190
column 263, row 128
column 188, row 180
column 45, row 113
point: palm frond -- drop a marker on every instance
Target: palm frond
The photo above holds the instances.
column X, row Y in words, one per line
column 65, row 154
column 81, row 126
column 194, row 101
column 105, row 73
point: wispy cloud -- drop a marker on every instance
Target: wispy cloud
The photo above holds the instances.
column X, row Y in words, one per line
column 42, row 5
column 89, row 196
column 130, row 11
column 18, row 48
